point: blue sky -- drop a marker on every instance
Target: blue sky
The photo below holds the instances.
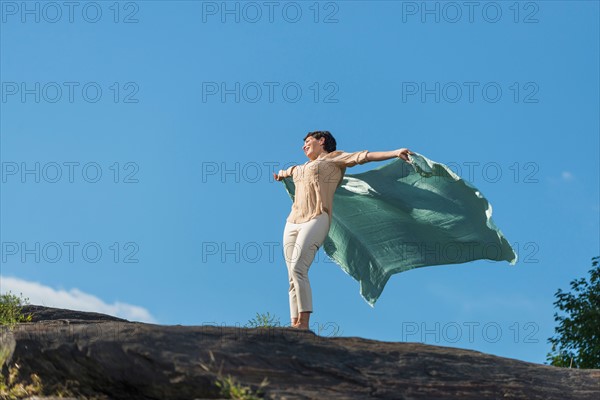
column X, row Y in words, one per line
column 154, row 127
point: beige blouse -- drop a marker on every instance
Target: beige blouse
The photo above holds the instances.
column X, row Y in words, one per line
column 316, row 182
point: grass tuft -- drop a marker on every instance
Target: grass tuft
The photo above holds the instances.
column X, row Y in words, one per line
column 11, row 388
column 229, row 386
column 264, row 321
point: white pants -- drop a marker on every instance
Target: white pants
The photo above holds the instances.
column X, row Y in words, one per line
column 300, row 244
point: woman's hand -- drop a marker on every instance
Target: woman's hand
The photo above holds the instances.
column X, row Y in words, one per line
column 278, row 176
column 403, row 154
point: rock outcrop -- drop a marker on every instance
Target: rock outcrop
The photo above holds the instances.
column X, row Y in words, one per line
column 99, row 356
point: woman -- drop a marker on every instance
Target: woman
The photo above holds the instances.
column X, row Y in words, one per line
column 310, row 218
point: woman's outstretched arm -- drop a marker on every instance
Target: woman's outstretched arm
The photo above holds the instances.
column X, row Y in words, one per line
column 283, row 173
column 386, row 155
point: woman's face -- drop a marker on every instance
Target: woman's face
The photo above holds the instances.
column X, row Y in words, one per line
column 313, row 147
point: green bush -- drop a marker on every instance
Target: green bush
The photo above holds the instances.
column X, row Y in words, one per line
column 577, row 340
column 11, row 309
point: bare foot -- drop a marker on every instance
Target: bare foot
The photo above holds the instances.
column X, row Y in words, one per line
column 303, row 320
column 300, row 325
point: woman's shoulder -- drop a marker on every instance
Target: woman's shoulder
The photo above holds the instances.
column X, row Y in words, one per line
column 347, row 159
column 333, row 154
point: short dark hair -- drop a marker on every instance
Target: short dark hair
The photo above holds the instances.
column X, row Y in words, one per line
column 330, row 144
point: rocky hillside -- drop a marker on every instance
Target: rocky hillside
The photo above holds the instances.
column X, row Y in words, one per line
column 89, row 355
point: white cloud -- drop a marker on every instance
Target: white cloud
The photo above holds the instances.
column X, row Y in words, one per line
column 566, row 176
column 73, row 299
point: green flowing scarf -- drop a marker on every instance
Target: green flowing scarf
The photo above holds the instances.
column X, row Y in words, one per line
column 404, row 215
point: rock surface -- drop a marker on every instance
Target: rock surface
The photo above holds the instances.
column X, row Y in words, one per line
column 99, row 356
